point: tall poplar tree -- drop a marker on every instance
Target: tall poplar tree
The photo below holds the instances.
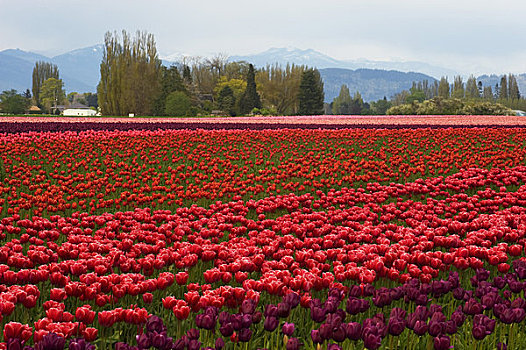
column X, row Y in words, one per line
column 130, row 74
column 443, row 88
column 311, row 94
column 472, row 90
column 458, row 87
column 342, row 104
column 42, row 72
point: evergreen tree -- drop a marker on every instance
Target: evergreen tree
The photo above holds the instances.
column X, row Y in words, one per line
column 226, row 100
column 481, row 89
column 472, row 91
column 488, row 93
column 170, row 82
column 42, row 72
column 187, row 74
column 443, row 88
column 497, row 91
column 357, row 105
column 503, row 94
column 311, row 96
column 458, row 87
column 513, row 88
column 250, row 98
column 341, row 105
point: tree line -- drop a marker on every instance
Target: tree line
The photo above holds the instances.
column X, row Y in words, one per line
column 133, row 80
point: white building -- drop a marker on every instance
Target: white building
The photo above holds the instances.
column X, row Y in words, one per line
column 78, row 112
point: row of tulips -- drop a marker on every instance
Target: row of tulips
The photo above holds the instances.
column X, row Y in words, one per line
column 382, row 251
column 47, row 174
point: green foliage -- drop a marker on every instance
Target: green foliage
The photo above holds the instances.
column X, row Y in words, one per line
column 226, row 101
column 12, row 102
column 42, row 72
column 170, row 81
column 310, row 95
column 130, row 74
column 380, row 107
column 458, row 88
column 279, row 87
column 91, row 100
column 416, row 95
column 341, row 105
column 503, row 92
column 472, row 90
column 52, row 93
column 513, row 88
column 264, row 111
column 178, row 104
column 451, row 106
column 250, row 98
column 237, row 86
column 443, row 88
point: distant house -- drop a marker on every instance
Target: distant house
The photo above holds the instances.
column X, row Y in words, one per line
column 78, row 110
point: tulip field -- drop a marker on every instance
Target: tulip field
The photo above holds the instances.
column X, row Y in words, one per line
column 262, row 238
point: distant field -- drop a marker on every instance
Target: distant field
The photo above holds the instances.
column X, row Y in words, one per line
column 16, row 124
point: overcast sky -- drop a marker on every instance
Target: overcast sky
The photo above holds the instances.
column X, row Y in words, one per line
column 466, row 35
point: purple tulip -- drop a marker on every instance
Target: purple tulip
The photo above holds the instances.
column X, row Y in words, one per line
column 80, row 344
column 339, row 334
column 244, row 335
column 248, row 306
column 326, row 331
column 226, row 330
column 283, row 310
column 193, row 333
column 51, row 341
column 479, row 332
column 420, row 327
column 143, row 341
column 220, row 344
column 372, row 341
column 293, row 344
column 334, row 347
column 154, row 324
column 194, row 344
column 396, row 326
column 441, row 342
column 293, row 299
column 271, row 310
column 316, row 336
column 435, row 328
column 353, row 330
column 270, row 324
column 458, row 293
column 472, row 307
column 317, row 314
column 288, row 329
column 499, row 282
column 256, row 317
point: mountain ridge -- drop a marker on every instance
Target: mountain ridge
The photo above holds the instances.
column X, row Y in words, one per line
column 80, row 70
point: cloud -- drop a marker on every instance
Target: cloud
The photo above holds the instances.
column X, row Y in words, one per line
column 462, row 30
